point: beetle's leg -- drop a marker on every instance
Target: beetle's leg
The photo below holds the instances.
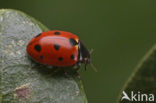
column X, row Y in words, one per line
column 56, row 70
column 66, row 73
column 77, row 66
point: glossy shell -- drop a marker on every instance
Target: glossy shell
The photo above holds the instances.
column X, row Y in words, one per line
column 55, row 48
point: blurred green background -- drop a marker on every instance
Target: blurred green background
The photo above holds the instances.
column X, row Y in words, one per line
column 119, row 31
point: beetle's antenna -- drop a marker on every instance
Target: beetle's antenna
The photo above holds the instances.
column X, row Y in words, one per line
column 91, row 51
column 93, row 67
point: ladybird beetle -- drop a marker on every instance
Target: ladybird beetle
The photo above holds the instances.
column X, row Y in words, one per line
column 58, row 48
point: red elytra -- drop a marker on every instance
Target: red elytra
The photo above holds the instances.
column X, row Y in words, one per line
column 58, row 48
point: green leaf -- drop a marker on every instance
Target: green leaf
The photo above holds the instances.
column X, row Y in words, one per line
column 22, row 80
column 143, row 79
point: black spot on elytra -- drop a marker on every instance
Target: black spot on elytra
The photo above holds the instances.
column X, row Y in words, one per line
column 37, row 47
column 73, row 42
column 38, row 35
column 56, row 46
column 57, row 33
column 60, row 58
column 72, row 57
column 41, row 57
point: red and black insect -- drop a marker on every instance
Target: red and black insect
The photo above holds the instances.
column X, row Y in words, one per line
column 58, row 48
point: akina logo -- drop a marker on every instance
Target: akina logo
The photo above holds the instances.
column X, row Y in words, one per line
column 137, row 96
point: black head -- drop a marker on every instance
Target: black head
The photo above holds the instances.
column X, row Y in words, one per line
column 84, row 54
